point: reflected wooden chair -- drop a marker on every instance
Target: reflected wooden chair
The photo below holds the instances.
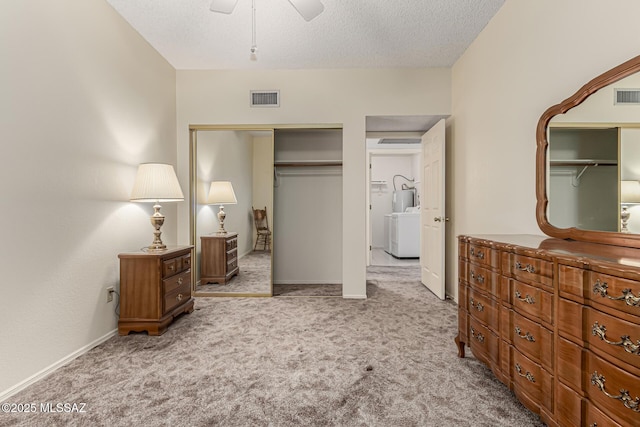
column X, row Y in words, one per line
column 262, row 229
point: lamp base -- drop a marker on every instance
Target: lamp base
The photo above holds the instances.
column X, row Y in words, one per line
column 157, row 219
column 221, row 216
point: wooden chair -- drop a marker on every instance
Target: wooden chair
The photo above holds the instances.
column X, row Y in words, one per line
column 262, row 229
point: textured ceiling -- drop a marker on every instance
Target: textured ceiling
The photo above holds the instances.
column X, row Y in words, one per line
column 348, row 34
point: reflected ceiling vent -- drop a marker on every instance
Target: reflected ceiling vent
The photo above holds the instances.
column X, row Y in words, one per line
column 400, row 141
column 627, row 96
column 265, row 98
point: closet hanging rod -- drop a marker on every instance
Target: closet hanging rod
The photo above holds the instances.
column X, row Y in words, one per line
column 296, row 164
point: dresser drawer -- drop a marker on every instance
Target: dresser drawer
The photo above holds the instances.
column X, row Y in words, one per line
column 463, row 267
column 483, row 342
column 614, row 336
column 171, row 266
column 232, row 243
column 531, row 269
column 177, row 297
column 531, row 300
column 532, row 339
column 570, row 280
column 595, row 417
column 176, row 281
column 614, row 390
column 615, row 292
column 232, row 264
column 483, row 308
column 482, row 279
column 530, row 378
column 185, row 262
column 483, row 255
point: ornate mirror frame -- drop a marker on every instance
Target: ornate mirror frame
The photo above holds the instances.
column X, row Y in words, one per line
column 612, row 238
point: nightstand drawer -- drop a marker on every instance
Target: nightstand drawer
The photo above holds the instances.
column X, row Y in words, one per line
column 176, row 281
column 171, row 266
column 177, row 297
column 185, row 262
column 232, row 243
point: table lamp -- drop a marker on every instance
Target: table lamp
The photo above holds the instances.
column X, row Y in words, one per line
column 221, row 193
column 155, row 183
column 629, row 194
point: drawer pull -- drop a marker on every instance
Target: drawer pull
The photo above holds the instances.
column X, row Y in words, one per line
column 479, row 337
column 527, row 375
column 627, row 294
column 478, row 278
column 593, row 425
column 526, row 336
column 172, row 267
column 477, row 306
column 624, row 397
column 528, row 268
column 180, row 281
column 179, row 297
column 479, row 254
column 625, row 342
column 528, row 299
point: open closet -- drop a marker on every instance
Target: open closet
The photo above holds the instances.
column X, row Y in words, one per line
column 307, row 211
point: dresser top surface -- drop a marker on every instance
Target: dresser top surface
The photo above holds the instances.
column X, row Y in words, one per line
column 215, row 235
column 166, row 253
column 559, row 247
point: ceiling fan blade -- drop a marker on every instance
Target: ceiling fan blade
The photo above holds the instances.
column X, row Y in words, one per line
column 308, row 9
column 223, row 6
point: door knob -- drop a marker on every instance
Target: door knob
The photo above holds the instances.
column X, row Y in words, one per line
column 440, row 219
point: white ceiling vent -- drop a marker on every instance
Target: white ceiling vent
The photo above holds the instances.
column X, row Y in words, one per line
column 627, row 96
column 265, row 98
column 400, row 141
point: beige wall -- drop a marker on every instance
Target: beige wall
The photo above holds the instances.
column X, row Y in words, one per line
column 84, row 100
column 343, row 97
column 533, row 54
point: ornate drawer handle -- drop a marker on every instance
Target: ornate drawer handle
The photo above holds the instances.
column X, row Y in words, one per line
column 478, row 278
column 593, row 425
column 479, row 254
column 625, row 342
column 624, row 397
column 179, row 297
column 627, row 294
column 477, row 306
column 172, row 267
column 526, row 336
column 180, row 281
column 528, row 268
column 528, row 299
column 478, row 337
column 527, row 375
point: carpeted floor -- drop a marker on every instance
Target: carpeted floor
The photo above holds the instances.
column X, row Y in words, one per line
column 254, row 276
column 389, row 360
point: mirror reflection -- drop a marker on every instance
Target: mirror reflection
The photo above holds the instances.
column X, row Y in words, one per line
column 233, row 179
column 593, row 161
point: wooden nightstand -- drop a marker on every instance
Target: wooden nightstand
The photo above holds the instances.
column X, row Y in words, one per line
column 218, row 258
column 155, row 287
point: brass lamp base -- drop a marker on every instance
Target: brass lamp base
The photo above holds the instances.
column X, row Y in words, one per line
column 157, row 219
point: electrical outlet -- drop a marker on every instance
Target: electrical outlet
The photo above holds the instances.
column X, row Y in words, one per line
column 110, row 291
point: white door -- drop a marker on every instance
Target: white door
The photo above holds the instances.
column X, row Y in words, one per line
column 432, row 215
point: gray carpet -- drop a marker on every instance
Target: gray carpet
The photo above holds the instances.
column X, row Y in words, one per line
column 389, row 360
column 254, row 276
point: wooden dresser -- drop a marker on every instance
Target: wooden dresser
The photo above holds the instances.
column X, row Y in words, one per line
column 218, row 258
column 558, row 322
column 155, row 287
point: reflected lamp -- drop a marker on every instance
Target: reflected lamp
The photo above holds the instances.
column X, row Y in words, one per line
column 221, row 193
column 155, row 183
column 629, row 195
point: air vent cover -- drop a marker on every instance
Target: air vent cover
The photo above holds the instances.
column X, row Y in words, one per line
column 400, row 141
column 627, row 96
column 265, row 98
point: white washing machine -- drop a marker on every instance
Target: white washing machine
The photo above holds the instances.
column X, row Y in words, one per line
column 404, row 230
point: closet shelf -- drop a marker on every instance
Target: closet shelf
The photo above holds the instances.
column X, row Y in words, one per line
column 584, row 162
column 306, row 163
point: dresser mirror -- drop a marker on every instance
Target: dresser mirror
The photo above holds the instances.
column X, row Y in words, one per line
column 588, row 161
column 234, row 263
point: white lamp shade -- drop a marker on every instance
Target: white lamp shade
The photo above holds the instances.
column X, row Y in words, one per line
column 156, row 182
column 221, row 193
column 629, row 192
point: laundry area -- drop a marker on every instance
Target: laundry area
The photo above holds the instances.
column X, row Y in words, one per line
column 395, row 201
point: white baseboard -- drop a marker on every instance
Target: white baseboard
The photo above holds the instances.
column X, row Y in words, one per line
column 305, row 282
column 51, row 368
column 356, row 296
